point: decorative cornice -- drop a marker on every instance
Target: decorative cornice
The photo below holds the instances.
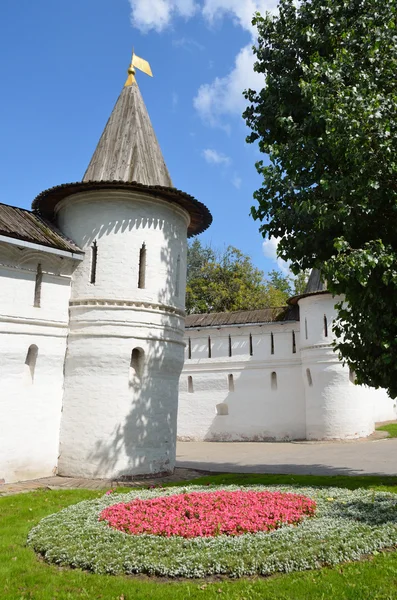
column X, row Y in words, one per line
column 134, row 304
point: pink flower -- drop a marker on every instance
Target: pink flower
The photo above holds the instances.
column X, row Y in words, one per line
column 209, row 513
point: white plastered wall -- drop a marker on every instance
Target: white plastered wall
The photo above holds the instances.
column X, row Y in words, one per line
column 314, row 398
column 31, row 400
column 336, row 408
column 265, row 401
column 112, row 424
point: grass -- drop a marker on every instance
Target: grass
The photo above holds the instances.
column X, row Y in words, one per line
column 24, row 576
column 391, row 429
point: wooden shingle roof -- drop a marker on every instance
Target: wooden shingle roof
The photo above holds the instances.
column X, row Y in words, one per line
column 21, row 224
column 128, row 149
column 128, row 156
column 242, row 317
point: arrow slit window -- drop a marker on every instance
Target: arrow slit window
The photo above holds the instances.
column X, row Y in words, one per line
column 142, row 267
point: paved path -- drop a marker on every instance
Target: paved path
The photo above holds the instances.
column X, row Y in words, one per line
column 374, row 457
column 73, row 483
column 364, row 457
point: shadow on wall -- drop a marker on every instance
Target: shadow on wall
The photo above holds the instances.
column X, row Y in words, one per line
column 140, row 376
column 250, row 403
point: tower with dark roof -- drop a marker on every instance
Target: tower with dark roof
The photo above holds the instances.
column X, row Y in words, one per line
column 125, row 345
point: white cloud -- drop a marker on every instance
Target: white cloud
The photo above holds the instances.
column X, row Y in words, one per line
column 188, row 44
column 270, row 251
column 241, row 11
column 213, row 157
column 236, row 181
column 157, row 14
column 224, row 96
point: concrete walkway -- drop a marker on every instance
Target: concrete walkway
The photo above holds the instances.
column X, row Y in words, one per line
column 194, row 459
column 362, row 457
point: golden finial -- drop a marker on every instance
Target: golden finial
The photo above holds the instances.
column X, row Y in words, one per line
column 140, row 64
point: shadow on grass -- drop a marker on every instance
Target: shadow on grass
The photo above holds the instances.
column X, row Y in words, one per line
column 375, row 482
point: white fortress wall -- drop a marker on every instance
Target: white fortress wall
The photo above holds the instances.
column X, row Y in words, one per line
column 336, row 408
column 255, row 394
column 32, row 351
column 125, row 350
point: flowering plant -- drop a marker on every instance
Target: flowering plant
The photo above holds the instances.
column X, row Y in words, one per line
column 345, row 526
column 208, row 514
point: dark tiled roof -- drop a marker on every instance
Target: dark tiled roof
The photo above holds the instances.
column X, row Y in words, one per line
column 315, row 285
column 200, row 216
column 243, row 317
column 22, row 224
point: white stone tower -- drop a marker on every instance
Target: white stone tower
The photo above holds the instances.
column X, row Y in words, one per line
column 125, row 345
column 335, row 407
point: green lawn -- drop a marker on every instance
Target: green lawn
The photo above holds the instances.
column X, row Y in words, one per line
column 391, row 429
column 23, row 575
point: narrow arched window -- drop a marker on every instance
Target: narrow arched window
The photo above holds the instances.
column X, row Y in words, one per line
column 177, row 275
column 94, row 260
column 325, row 326
column 30, row 363
column 251, row 346
column 190, row 385
column 37, row 287
column 293, row 343
column 189, row 348
column 209, row 347
column 230, row 346
column 142, row 267
column 352, row 375
column 136, row 366
column 306, row 329
column 231, row 383
column 273, row 380
column 271, row 343
column 309, row 377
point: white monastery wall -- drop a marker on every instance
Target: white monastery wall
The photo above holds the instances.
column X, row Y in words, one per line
column 125, row 349
column 32, row 351
column 255, row 394
column 259, row 385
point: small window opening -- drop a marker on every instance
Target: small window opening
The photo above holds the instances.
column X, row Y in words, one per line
column 293, row 343
column 273, row 380
column 94, row 259
column 309, row 377
column 142, row 267
column 251, row 346
column 209, row 347
column 271, row 343
column 189, row 348
column 136, row 366
column 230, row 346
column 190, row 385
column 37, row 287
column 30, row 363
column 177, row 275
column 222, row 409
column 325, row 326
column 306, row 329
column 231, row 383
column 352, row 375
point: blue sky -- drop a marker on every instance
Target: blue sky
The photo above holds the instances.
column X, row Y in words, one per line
column 64, row 64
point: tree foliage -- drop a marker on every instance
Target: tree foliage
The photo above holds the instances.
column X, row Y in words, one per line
column 227, row 281
column 327, row 118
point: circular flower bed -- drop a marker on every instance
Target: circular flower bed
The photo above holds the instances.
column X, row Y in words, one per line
column 345, row 526
column 209, row 514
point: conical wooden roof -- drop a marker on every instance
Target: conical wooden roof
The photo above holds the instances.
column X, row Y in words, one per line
column 128, row 157
column 128, row 149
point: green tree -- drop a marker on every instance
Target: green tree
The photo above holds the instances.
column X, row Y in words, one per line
column 327, row 118
column 227, row 281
